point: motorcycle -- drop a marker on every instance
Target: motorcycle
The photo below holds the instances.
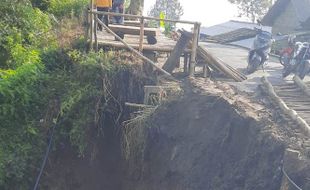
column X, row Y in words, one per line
column 299, row 62
column 260, row 51
column 288, row 53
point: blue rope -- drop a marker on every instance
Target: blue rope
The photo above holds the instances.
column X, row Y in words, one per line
column 290, row 180
column 45, row 157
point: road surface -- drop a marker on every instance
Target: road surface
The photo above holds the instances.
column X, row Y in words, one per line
column 237, row 58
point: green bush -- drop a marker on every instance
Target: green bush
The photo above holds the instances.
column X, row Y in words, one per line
column 62, row 8
column 20, row 112
column 23, row 32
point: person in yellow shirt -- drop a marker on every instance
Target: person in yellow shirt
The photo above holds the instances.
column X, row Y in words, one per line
column 103, row 5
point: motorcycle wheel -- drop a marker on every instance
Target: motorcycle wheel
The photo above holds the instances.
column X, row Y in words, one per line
column 284, row 59
column 252, row 66
column 303, row 71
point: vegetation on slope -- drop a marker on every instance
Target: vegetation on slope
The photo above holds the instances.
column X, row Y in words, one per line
column 44, row 82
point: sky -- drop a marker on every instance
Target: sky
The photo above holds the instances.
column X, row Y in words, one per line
column 208, row 12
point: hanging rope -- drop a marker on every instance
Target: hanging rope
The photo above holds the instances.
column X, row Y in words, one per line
column 46, row 153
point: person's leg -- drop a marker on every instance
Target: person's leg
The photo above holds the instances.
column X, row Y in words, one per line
column 262, row 55
column 121, row 10
column 106, row 17
column 114, row 21
column 100, row 17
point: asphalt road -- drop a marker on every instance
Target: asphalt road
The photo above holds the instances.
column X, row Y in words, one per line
column 237, row 58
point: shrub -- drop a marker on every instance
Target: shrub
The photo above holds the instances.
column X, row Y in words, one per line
column 62, row 8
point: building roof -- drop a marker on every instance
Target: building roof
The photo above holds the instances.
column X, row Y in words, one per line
column 233, row 32
column 235, row 35
column 229, row 27
column 302, row 8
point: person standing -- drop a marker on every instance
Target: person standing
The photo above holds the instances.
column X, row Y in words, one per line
column 103, row 5
column 118, row 7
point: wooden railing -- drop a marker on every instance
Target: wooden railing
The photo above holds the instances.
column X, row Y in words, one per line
column 196, row 30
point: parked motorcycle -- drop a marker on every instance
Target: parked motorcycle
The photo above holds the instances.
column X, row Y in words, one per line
column 298, row 62
column 288, row 53
column 260, row 51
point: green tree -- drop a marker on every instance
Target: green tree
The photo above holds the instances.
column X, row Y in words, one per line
column 253, row 9
column 23, row 32
column 135, row 7
column 172, row 9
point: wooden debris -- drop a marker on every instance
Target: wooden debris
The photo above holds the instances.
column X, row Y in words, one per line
column 268, row 88
column 138, row 105
column 132, row 30
column 301, row 85
column 135, row 23
column 220, row 65
column 135, row 51
column 178, row 50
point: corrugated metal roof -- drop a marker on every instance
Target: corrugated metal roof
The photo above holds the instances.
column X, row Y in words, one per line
column 275, row 11
column 302, row 9
column 235, row 35
column 230, row 26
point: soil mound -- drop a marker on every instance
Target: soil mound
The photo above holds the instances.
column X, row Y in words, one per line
column 209, row 138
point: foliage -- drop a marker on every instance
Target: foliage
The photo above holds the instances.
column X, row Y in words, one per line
column 172, row 9
column 76, row 82
column 20, row 110
column 24, row 31
column 40, row 81
column 41, row 4
column 62, row 8
column 253, row 9
column 135, row 7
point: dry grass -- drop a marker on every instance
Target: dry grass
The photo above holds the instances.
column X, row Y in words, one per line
column 69, row 30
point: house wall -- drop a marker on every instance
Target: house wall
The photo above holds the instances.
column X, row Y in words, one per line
column 287, row 22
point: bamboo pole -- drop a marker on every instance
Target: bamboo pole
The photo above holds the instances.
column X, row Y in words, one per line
column 194, row 49
column 219, row 65
column 91, row 25
column 268, row 88
column 145, row 17
column 133, row 50
column 95, row 34
column 186, row 57
column 301, row 85
column 138, row 105
column 141, row 34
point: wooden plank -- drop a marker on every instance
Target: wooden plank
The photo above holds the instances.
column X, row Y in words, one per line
column 135, row 51
column 138, row 105
column 135, row 23
column 91, row 25
column 218, row 64
column 268, row 88
column 178, row 50
column 133, row 30
column 302, row 85
column 141, row 34
column 192, row 63
column 95, row 34
column 139, row 16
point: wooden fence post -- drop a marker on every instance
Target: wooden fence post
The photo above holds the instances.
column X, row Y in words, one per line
column 91, row 25
column 95, row 33
column 186, row 57
column 141, row 34
column 194, row 49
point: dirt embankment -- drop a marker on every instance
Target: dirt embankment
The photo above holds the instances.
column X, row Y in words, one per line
column 210, row 138
column 100, row 165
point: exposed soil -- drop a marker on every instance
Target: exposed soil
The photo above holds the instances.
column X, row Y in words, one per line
column 100, row 166
column 210, row 137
